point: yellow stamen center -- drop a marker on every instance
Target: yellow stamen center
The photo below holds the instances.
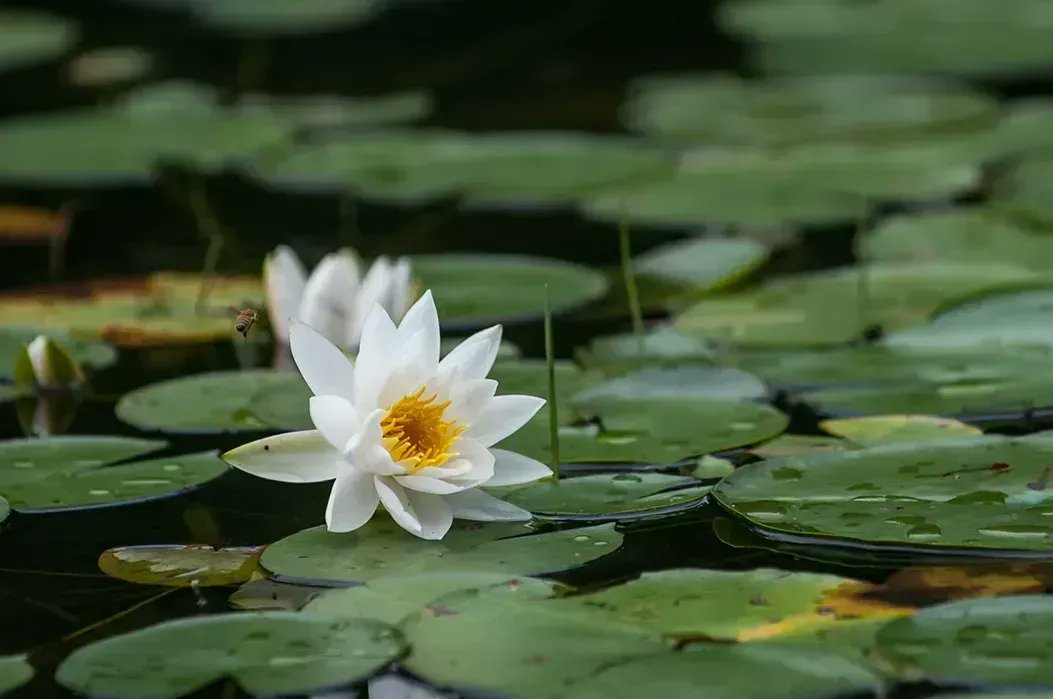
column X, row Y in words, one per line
column 415, row 434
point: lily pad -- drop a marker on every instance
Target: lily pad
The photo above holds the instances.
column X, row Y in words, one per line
column 110, row 65
column 705, row 264
column 263, row 594
column 824, row 308
column 392, row 599
column 90, row 353
column 530, row 377
column 700, row 382
column 968, row 493
column 975, row 38
column 15, row 671
column 381, row 548
column 211, row 402
column 265, row 653
column 619, row 354
column 805, row 185
column 793, row 444
column 517, row 647
column 180, row 566
column 73, row 472
column 608, row 497
column 887, row 429
column 33, row 37
column 277, row 18
column 1002, row 641
column 480, row 289
column 134, row 312
column 316, row 112
column 731, row 672
column 1023, row 188
column 721, row 109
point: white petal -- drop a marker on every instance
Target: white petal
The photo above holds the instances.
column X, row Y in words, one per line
column 426, row 484
column 503, row 416
column 451, row 469
column 478, row 506
column 422, row 319
column 327, row 371
column 284, row 279
column 37, row 351
column 374, row 363
column 365, row 451
column 335, row 418
column 511, row 468
column 371, row 292
column 328, row 295
column 407, row 373
column 469, row 399
column 433, row 513
column 397, row 503
column 293, row 457
column 352, row 501
column 473, row 358
column 479, row 458
column 400, row 290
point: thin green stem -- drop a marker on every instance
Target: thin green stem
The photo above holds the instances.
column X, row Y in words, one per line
column 863, row 262
column 625, row 250
column 118, row 615
column 550, row 365
column 208, row 226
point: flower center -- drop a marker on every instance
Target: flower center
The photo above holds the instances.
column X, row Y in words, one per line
column 415, row 434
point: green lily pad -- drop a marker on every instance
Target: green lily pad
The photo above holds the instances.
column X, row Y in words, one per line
column 975, row 38
column 706, row 264
column 608, row 497
column 625, row 352
column 793, row 444
column 479, row 289
column 33, row 37
column 381, row 548
column 708, row 467
column 975, row 493
column 91, row 353
column 971, row 236
column 262, row 595
column 653, row 432
column 392, row 599
column 530, row 377
column 700, row 382
column 15, row 671
column 888, row 429
column 180, row 566
column 276, row 17
column 1002, row 641
column 823, row 308
column 337, row 112
column 806, row 185
column 265, row 653
column 110, row 66
column 516, row 647
column 722, row 109
column 731, row 672
column 1023, row 188
column 211, row 402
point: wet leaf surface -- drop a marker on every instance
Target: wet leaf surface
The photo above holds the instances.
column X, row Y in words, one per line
column 886, row 429
column 261, row 594
column 180, row 566
column 601, row 497
column 15, row 671
column 704, row 264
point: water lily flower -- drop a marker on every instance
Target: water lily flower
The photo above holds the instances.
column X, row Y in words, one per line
column 335, row 299
column 47, row 364
column 401, row 428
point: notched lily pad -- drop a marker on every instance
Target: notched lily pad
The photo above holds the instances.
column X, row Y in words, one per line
column 608, row 497
column 180, row 566
column 265, row 653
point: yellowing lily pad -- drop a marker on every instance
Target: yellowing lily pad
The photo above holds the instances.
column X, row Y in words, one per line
column 885, row 429
column 180, row 566
column 25, row 224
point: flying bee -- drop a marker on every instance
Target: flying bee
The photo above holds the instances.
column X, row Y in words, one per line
column 244, row 321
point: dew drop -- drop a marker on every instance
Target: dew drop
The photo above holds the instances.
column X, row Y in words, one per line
column 98, row 491
column 581, row 537
column 924, row 531
column 626, row 478
column 1018, row 531
column 171, row 467
column 787, row 474
column 22, row 464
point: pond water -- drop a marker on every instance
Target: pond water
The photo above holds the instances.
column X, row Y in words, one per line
column 801, row 433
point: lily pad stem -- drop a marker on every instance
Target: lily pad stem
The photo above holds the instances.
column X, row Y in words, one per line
column 550, row 365
column 208, row 226
column 625, row 249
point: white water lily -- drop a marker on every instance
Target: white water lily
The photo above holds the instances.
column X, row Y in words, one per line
column 46, row 363
column 401, row 428
column 335, row 299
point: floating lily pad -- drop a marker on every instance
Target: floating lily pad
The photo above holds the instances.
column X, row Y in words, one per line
column 655, row 432
column 394, row 598
column 974, row 493
column 887, row 429
column 265, row 653
column 180, row 566
column 708, row 467
column 1002, row 641
column 824, row 308
column 517, row 647
column 13, row 340
column 792, row 444
column 72, row 472
column 1023, row 188
column 530, row 377
column 618, row 354
column 15, row 671
column 338, row 112
column 276, row 17
column 212, row 402
column 132, row 312
column 975, row 38
column 479, row 289
column 806, row 185
column 608, row 497
column 706, row 264
column 700, row 382
column 33, row 37
column 731, row 672
column 382, row 548
column 721, row 109
column 110, row 65
column 263, row 594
